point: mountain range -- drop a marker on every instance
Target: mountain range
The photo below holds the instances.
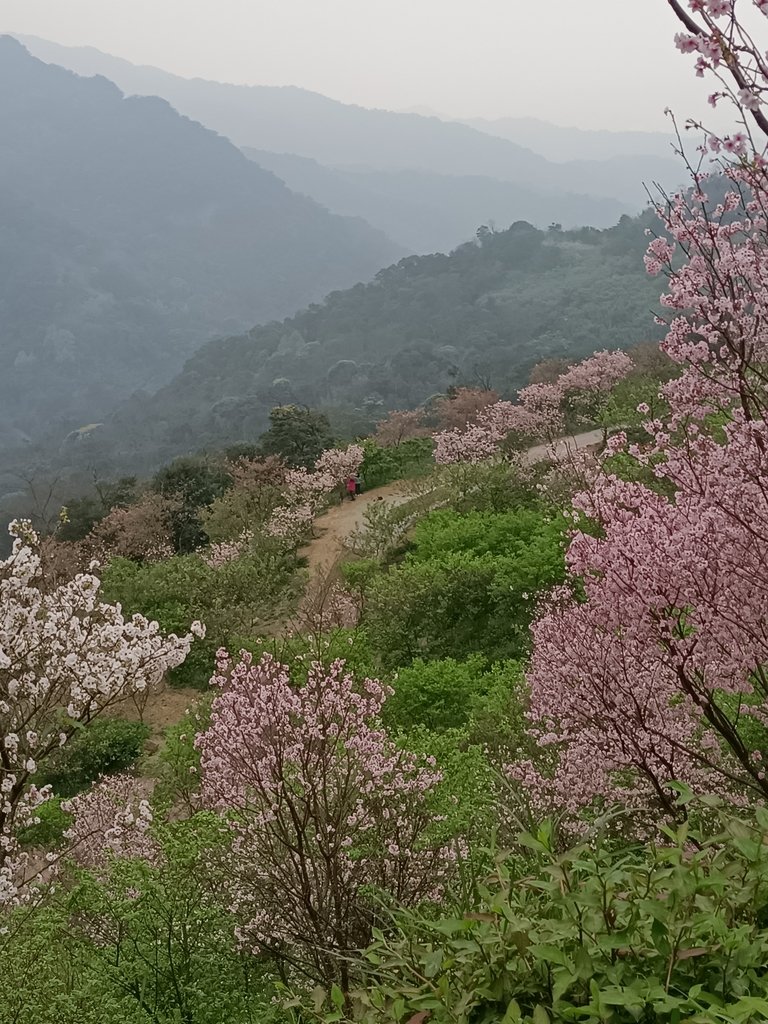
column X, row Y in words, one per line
column 130, row 235
column 288, row 121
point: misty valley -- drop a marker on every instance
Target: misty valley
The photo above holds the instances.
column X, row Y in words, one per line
column 384, row 550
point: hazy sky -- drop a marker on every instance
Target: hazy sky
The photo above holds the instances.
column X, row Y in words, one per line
column 591, row 63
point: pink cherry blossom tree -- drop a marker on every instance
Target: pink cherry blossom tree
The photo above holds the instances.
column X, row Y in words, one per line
column 660, row 672
column 400, row 425
column 587, row 386
column 112, row 819
column 539, row 413
column 327, row 814
column 65, row 657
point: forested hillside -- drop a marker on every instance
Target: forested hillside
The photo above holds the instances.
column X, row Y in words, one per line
column 485, row 313
column 131, row 235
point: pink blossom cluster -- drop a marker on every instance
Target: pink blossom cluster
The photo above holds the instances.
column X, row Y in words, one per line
column 111, row 820
column 306, row 492
column 539, row 411
column 65, row 656
column 599, row 373
column 725, row 46
column 323, row 807
column 647, row 678
column 400, row 425
column 222, row 552
column 339, row 464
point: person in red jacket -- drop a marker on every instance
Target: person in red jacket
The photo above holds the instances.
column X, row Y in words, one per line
column 351, row 487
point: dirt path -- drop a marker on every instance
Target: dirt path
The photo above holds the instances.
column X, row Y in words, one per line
column 334, row 527
column 323, row 552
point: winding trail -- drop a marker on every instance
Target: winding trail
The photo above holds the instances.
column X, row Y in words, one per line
column 323, row 552
column 334, row 527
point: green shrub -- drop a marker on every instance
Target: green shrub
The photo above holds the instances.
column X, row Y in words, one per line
column 106, row 746
column 48, row 833
column 664, row 933
column 436, row 694
column 467, row 585
column 409, row 459
column 235, row 600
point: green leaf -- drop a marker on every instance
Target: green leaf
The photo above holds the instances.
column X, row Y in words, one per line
column 512, row 1014
column 337, row 996
column 659, row 936
column 540, row 1015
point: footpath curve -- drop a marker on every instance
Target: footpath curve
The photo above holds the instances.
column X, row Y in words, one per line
column 335, row 526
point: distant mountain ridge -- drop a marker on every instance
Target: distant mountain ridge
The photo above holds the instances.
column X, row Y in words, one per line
column 562, row 144
column 289, row 120
column 129, row 235
column 428, row 212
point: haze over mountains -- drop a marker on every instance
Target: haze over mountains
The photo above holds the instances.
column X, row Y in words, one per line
column 483, row 315
column 133, row 235
column 352, row 139
column 130, row 236
column 561, row 144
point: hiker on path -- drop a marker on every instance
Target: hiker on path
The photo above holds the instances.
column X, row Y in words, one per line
column 351, row 488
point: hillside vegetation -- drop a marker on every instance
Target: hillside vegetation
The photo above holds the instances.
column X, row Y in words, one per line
column 484, row 314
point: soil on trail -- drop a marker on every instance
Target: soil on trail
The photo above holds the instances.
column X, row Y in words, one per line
column 165, row 707
column 335, row 526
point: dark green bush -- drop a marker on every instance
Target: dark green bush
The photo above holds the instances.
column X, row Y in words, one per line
column 664, row 933
column 383, row 465
column 436, row 694
column 106, row 746
column 48, row 833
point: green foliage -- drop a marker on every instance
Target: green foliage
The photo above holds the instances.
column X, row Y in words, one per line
column 106, row 746
column 464, row 803
column 48, row 833
column 49, row 976
column 179, row 761
column 408, row 459
column 358, row 575
column 141, row 943
column 436, row 694
column 664, row 933
column 233, row 601
column 193, row 482
column 468, row 585
column 174, row 593
column 386, row 525
column 497, row 719
column 297, row 434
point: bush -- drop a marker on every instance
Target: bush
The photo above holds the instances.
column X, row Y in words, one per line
column 408, row 459
column 436, row 694
column 49, row 831
column 106, row 746
column 234, row 600
column 467, row 585
column 666, row 932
